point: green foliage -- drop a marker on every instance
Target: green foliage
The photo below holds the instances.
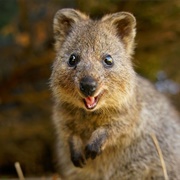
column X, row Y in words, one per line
column 8, row 9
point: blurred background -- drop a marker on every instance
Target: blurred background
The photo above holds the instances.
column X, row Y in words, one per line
column 26, row 56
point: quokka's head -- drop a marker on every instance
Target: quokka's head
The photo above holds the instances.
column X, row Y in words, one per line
column 93, row 68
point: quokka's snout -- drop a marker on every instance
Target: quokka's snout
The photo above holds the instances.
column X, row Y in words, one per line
column 88, row 86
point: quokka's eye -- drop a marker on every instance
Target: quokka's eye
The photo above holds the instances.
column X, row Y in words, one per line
column 73, row 60
column 108, row 61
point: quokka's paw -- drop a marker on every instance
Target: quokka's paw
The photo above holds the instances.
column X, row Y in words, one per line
column 92, row 150
column 78, row 159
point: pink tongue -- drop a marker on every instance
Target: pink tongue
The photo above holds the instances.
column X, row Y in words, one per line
column 90, row 100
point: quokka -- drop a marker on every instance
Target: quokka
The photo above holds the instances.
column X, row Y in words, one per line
column 104, row 113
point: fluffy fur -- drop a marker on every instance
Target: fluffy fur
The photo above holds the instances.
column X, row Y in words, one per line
column 113, row 140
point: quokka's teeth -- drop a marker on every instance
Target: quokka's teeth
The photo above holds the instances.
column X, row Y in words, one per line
column 90, row 102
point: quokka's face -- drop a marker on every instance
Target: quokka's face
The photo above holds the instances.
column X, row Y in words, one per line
column 92, row 69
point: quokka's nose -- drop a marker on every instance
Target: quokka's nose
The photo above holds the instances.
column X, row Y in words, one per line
column 88, row 86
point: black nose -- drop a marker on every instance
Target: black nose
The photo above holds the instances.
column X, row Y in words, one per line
column 88, row 86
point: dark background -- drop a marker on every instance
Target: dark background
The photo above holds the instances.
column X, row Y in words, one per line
column 26, row 56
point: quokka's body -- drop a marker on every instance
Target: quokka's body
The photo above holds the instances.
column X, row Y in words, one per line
column 104, row 113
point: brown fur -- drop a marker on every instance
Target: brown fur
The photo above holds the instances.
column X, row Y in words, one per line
column 113, row 140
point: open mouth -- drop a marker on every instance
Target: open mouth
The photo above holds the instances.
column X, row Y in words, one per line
column 91, row 102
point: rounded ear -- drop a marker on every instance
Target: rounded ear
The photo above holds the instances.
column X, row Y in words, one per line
column 125, row 24
column 63, row 22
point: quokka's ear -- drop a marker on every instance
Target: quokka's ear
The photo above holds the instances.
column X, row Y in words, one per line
column 64, row 20
column 125, row 24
